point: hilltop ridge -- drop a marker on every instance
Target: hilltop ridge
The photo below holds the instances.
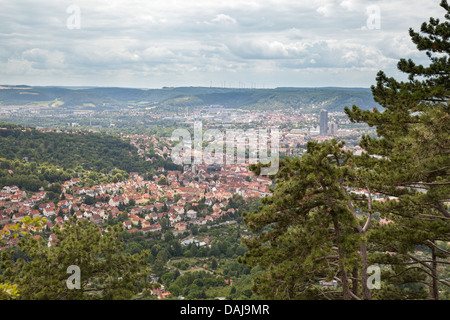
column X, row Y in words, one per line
column 174, row 98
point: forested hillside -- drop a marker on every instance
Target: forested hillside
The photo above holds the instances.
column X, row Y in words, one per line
column 23, row 152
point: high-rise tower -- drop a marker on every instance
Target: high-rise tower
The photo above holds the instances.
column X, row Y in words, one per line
column 323, row 123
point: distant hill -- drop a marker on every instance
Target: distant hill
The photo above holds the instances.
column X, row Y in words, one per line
column 172, row 99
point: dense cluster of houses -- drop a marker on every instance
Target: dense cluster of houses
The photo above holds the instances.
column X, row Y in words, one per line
column 151, row 201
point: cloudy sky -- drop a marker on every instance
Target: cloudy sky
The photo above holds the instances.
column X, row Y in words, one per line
column 232, row 43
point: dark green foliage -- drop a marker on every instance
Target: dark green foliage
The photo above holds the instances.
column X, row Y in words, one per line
column 91, row 151
column 31, row 176
column 307, row 232
column 413, row 138
column 106, row 271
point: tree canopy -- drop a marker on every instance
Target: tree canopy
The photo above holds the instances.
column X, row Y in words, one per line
column 317, row 228
column 105, row 270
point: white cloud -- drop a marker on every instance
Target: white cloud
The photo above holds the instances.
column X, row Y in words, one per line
column 186, row 41
column 324, row 10
column 42, row 58
column 157, row 53
column 348, row 4
column 224, row 19
column 264, row 49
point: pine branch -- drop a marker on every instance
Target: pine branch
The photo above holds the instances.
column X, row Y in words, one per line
column 442, row 209
column 437, row 247
column 411, row 184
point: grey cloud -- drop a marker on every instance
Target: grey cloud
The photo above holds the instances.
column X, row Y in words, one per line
column 202, row 39
column 264, row 49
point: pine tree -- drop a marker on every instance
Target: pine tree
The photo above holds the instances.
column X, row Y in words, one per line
column 410, row 158
column 106, row 272
column 308, row 232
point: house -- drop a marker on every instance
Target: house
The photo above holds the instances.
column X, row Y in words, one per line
column 192, row 214
column 65, row 204
column 17, row 217
column 157, row 291
column 141, row 200
column 135, row 219
column 15, row 198
column 152, row 228
column 74, row 181
column 147, row 229
column 49, row 225
column 52, row 240
column 41, row 195
column 179, row 209
column 164, row 295
column 4, row 219
column 115, row 212
column 88, row 192
column 200, row 221
column 180, row 226
column 48, row 211
column 79, row 215
column 35, row 213
column 101, row 213
column 190, row 241
column 187, row 242
column 87, row 214
column 134, row 174
column 59, row 221
column 215, row 215
column 97, row 219
column 12, row 189
column 127, row 224
column 115, row 201
column 174, row 218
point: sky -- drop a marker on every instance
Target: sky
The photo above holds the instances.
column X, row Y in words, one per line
column 232, row 43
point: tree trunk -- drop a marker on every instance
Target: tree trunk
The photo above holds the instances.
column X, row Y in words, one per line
column 434, row 287
column 355, row 281
column 343, row 273
column 367, row 295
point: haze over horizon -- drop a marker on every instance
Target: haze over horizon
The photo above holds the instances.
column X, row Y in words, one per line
column 182, row 86
column 238, row 44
